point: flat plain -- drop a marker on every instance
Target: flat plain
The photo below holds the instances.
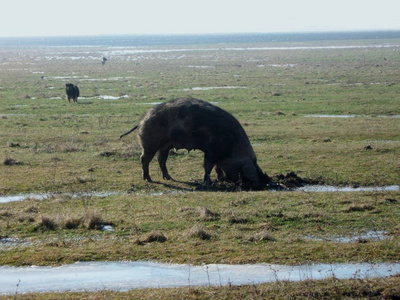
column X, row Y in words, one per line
column 328, row 111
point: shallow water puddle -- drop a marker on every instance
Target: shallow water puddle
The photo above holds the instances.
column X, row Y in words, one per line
column 123, row 276
column 351, row 116
column 329, row 188
column 150, row 103
column 106, row 97
column 211, row 88
column 13, row 242
column 307, row 188
column 21, row 197
column 377, row 235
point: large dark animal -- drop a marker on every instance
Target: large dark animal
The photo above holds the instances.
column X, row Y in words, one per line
column 195, row 124
column 72, row 92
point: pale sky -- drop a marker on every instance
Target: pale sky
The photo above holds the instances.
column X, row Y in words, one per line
column 98, row 17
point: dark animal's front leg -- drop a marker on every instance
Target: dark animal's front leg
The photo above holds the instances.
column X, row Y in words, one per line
column 220, row 174
column 146, row 158
column 162, row 157
column 208, row 166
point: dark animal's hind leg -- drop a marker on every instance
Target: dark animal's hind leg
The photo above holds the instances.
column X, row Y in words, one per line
column 146, row 158
column 162, row 156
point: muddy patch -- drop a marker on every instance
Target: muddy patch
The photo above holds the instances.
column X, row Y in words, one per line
column 290, row 180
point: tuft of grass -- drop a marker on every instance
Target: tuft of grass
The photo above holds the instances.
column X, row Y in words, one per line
column 359, row 207
column 155, row 236
column 235, row 219
column 373, row 288
column 198, row 232
column 93, row 220
column 72, row 223
column 46, row 223
column 208, row 215
column 261, row 236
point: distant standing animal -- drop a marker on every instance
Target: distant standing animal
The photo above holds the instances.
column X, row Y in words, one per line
column 189, row 123
column 72, row 92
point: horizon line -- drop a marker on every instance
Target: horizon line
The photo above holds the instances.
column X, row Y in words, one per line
column 201, row 33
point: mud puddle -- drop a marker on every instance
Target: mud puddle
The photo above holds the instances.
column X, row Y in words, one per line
column 123, row 276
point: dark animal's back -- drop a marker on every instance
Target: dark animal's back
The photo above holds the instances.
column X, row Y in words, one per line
column 193, row 124
column 195, row 112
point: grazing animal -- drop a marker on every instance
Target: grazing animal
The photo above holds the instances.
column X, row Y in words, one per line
column 72, row 92
column 190, row 124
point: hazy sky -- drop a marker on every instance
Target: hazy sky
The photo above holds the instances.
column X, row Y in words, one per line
column 88, row 17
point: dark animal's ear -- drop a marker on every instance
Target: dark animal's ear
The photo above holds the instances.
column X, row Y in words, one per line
column 250, row 171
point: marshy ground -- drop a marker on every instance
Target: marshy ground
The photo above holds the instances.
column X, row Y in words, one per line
column 50, row 146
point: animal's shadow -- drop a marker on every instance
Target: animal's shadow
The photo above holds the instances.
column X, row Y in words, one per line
column 216, row 186
column 278, row 182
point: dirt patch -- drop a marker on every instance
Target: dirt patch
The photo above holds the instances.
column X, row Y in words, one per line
column 290, row 180
column 281, row 181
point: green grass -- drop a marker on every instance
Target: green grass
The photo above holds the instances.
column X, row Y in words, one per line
column 387, row 288
column 73, row 148
column 295, row 221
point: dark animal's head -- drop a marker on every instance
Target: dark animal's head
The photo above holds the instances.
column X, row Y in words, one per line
column 69, row 85
column 243, row 170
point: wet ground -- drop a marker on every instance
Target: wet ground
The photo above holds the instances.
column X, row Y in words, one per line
column 290, row 185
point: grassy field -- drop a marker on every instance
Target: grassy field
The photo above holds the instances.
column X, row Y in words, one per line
column 48, row 145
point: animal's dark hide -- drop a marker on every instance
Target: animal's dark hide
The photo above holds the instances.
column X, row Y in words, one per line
column 191, row 124
column 72, row 92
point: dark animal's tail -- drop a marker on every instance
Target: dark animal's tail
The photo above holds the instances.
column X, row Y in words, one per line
column 126, row 133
